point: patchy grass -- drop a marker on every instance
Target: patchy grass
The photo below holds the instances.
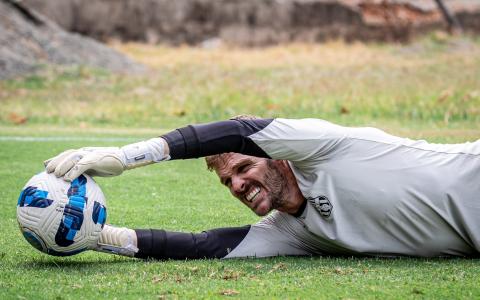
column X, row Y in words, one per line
column 182, row 195
column 435, row 81
column 430, row 89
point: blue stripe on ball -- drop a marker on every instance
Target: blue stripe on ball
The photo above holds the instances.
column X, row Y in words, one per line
column 99, row 214
column 72, row 219
column 33, row 197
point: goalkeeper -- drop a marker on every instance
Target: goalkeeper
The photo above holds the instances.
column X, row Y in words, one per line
column 324, row 189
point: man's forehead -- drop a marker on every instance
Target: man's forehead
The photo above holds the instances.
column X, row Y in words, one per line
column 230, row 160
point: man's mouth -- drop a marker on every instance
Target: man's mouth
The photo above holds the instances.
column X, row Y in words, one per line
column 252, row 195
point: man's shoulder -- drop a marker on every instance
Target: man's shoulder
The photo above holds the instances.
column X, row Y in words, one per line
column 300, row 130
column 277, row 219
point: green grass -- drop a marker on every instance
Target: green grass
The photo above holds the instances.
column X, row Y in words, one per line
column 429, row 90
column 434, row 81
column 182, row 195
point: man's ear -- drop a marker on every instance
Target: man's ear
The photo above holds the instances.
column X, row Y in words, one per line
column 282, row 163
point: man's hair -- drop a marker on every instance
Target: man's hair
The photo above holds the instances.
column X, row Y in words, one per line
column 214, row 160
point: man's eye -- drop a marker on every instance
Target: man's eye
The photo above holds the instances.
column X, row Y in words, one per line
column 227, row 183
column 242, row 168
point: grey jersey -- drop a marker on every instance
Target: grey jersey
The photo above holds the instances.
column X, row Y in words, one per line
column 369, row 193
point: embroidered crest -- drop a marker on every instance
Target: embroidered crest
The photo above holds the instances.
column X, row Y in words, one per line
column 322, row 204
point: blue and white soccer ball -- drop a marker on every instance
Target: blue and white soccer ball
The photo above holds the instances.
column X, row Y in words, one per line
column 61, row 218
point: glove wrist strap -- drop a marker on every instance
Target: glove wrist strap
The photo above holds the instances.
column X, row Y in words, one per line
column 144, row 153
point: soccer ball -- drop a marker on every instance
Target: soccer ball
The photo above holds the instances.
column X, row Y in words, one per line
column 61, row 218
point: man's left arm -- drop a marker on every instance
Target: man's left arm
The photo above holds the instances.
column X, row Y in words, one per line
column 201, row 140
column 288, row 139
column 294, row 140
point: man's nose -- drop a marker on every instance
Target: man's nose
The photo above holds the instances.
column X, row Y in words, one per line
column 238, row 185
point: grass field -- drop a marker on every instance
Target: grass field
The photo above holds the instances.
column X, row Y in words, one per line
column 430, row 89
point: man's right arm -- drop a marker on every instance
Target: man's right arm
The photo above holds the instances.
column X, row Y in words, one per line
column 214, row 243
column 270, row 237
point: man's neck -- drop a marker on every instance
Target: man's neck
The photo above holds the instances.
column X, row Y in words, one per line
column 295, row 203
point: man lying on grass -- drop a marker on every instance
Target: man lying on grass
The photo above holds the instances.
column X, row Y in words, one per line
column 323, row 189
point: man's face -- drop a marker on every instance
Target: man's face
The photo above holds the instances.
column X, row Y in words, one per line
column 258, row 182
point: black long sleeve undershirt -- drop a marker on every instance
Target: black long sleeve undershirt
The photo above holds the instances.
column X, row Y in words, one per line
column 198, row 141
column 215, row 138
column 215, row 243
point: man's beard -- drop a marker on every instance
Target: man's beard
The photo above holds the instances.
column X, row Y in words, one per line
column 276, row 182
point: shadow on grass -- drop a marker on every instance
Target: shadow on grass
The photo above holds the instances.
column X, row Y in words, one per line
column 55, row 263
column 298, row 263
column 333, row 258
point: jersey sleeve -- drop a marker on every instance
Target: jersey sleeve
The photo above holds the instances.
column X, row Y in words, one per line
column 293, row 140
column 275, row 235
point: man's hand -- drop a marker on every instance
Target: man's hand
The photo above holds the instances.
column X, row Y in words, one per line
column 107, row 161
column 94, row 161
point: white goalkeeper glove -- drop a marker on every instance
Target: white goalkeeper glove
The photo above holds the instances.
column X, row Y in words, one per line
column 107, row 161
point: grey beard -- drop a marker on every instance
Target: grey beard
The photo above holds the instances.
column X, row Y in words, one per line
column 277, row 182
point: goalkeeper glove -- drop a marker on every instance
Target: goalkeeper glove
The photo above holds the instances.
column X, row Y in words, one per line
column 117, row 240
column 107, row 161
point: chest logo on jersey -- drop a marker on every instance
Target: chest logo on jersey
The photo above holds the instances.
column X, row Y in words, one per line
column 322, row 204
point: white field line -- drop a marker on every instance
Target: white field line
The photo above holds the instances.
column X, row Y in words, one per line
column 64, row 139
